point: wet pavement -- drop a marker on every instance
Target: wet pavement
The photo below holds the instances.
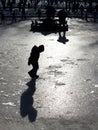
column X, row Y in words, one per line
column 65, row 97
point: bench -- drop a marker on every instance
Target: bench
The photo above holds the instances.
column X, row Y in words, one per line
column 48, row 25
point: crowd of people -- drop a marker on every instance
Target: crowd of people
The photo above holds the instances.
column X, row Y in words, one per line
column 13, row 10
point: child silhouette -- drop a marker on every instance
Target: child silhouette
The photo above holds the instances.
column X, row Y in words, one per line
column 33, row 60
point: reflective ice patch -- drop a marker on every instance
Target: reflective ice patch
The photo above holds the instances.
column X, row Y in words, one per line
column 6, row 95
column 96, row 85
column 4, row 83
column 2, row 91
column 92, row 92
column 9, row 103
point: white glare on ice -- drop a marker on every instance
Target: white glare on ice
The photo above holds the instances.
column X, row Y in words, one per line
column 9, row 103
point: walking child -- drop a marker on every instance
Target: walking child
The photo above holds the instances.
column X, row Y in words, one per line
column 33, row 60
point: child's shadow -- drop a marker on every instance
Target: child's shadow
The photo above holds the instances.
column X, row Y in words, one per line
column 26, row 102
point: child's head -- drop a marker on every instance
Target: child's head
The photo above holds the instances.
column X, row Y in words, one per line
column 41, row 48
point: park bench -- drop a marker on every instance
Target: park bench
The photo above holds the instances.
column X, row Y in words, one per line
column 47, row 25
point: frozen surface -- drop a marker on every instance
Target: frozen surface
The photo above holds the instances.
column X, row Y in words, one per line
column 66, row 93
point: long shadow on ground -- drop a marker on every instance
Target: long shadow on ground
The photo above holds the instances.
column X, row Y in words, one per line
column 26, row 102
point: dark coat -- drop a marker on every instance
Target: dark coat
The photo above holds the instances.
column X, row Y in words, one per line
column 34, row 56
column 62, row 16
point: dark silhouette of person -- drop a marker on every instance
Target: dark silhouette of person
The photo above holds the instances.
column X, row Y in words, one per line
column 95, row 16
column 62, row 14
column 95, row 12
column 32, row 25
column 96, row 8
column 33, row 60
column 11, row 6
column 86, row 15
column 23, row 12
column 3, row 2
column 81, row 10
column 19, row 6
column 2, row 17
column 39, row 13
column 14, row 16
column 50, row 12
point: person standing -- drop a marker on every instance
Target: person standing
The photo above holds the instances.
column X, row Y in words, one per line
column 62, row 14
column 14, row 16
column 2, row 17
